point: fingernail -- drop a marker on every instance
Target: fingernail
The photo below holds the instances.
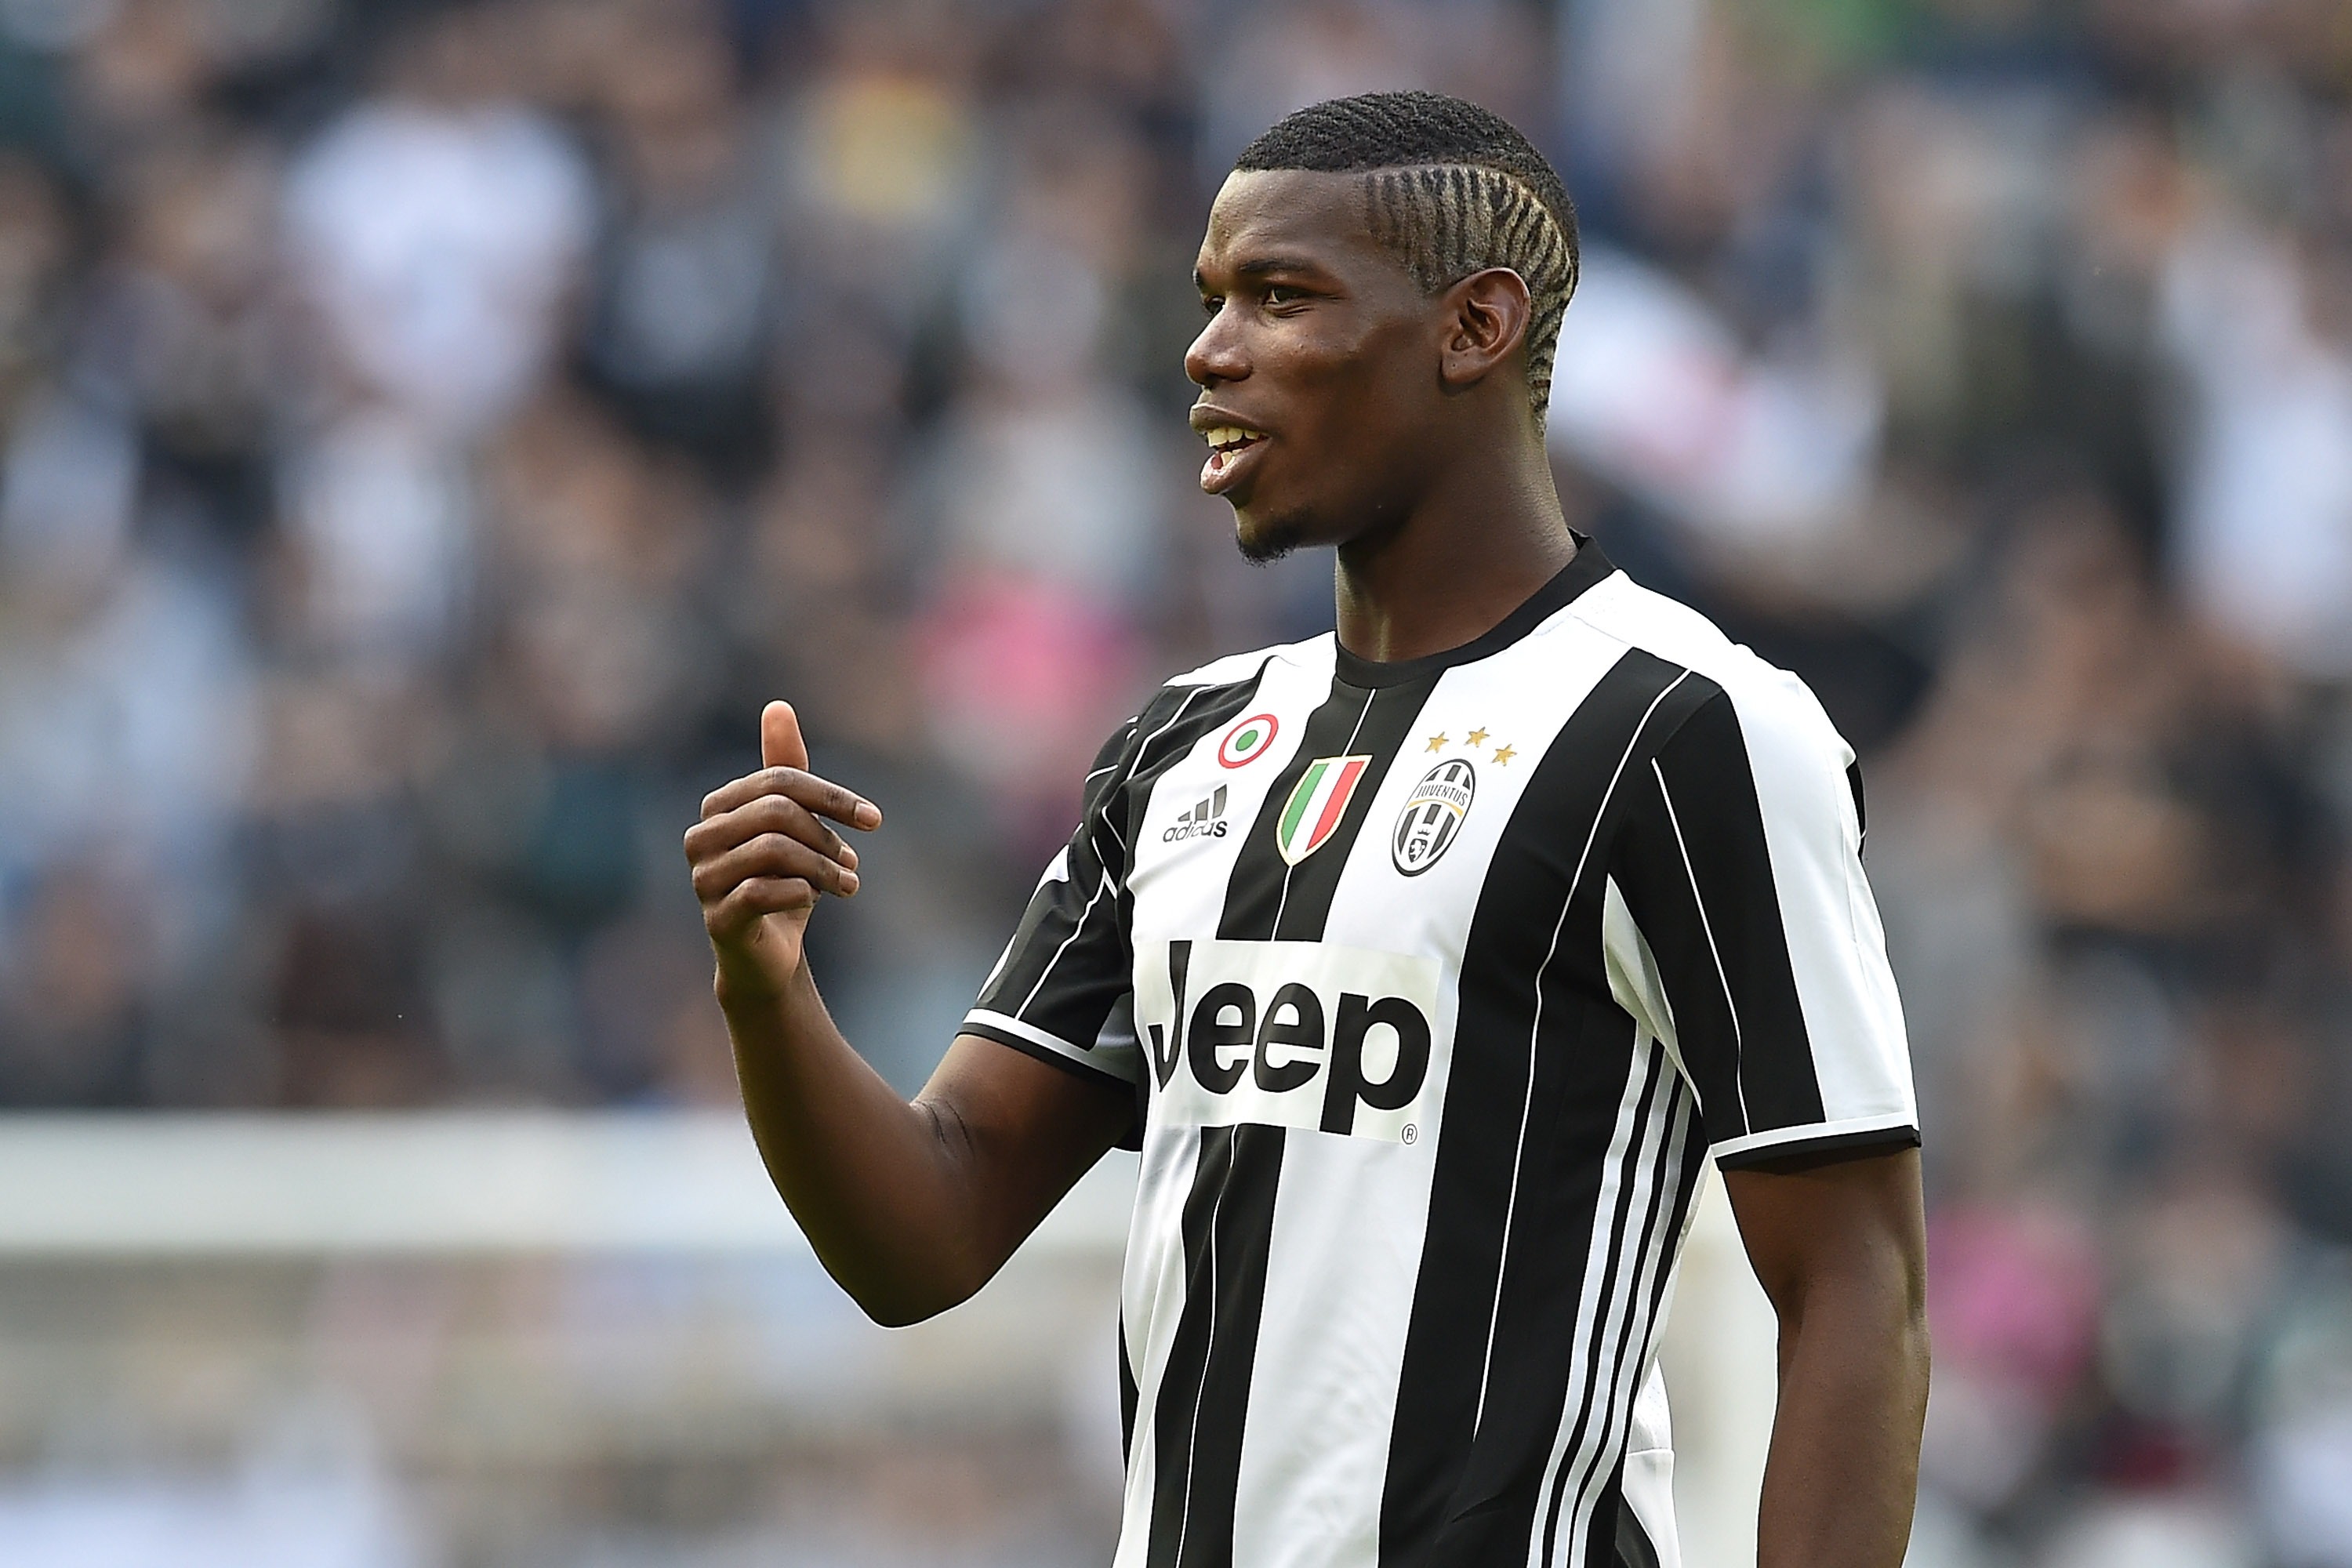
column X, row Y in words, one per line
column 848, row 856
column 868, row 813
column 848, row 883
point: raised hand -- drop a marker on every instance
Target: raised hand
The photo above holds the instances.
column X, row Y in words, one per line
column 763, row 852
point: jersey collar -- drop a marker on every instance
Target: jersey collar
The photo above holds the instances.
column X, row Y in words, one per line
column 1589, row 567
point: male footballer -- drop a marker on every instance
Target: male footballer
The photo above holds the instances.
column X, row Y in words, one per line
column 1427, row 963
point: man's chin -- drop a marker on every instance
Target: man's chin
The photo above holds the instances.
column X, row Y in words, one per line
column 1265, row 543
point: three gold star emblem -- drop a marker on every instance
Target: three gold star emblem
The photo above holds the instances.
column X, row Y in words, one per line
column 1477, row 737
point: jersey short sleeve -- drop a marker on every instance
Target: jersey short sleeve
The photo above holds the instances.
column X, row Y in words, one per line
column 1060, row 991
column 1738, row 927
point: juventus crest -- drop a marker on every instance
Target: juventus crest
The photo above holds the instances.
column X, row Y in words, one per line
column 1432, row 815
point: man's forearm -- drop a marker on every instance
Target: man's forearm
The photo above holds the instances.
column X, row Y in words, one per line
column 1843, row 1474
column 876, row 1182
column 912, row 1207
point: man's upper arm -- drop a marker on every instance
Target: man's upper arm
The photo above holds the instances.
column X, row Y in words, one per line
column 1856, row 1219
column 1029, row 1131
column 1060, row 992
column 1032, row 1118
column 1738, row 867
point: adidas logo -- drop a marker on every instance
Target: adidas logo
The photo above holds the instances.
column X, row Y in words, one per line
column 1205, row 820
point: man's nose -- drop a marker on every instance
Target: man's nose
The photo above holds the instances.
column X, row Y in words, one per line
column 1216, row 356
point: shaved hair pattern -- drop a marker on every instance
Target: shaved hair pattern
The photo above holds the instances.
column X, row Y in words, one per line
column 1451, row 189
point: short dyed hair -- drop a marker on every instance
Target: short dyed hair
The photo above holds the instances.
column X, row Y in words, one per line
column 1451, row 189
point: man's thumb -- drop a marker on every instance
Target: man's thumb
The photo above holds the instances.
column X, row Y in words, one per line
column 781, row 745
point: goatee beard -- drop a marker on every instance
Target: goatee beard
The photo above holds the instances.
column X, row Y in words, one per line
column 1268, row 545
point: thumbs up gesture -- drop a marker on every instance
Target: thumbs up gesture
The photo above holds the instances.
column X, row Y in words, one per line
column 763, row 852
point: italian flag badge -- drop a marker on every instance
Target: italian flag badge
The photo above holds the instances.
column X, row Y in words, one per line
column 1316, row 804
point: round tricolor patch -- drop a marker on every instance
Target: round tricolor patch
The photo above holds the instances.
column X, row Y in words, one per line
column 1248, row 740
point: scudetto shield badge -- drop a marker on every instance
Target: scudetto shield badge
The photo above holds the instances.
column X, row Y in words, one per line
column 1432, row 815
column 1317, row 804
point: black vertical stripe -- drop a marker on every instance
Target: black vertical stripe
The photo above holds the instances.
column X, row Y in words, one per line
column 1696, row 873
column 1241, row 1234
column 1437, row 1473
column 1178, row 1408
column 1394, row 713
column 1128, row 1395
column 1201, row 1405
column 1264, row 890
column 1203, row 1391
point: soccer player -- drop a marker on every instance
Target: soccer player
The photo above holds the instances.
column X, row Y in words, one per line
column 1427, row 963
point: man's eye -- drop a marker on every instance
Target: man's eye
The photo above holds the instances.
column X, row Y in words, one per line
column 1283, row 294
column 1210, row 304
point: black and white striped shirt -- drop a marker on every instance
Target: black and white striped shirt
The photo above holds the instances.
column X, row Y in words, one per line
column 1436, row 983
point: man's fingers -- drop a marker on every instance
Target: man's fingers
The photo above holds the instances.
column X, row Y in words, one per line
column 770, row 854
column 762, row 896
column 822, row 796
column 781, row 745
column 767, row 814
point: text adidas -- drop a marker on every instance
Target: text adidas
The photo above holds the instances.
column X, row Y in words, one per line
column 1204, row 820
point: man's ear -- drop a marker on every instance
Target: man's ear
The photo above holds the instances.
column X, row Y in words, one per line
column 1487, row 316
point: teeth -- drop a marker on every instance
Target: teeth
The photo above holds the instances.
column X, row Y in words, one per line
column 1225, row 436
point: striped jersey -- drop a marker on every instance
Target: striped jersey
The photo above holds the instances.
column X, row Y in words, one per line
column 1436, row 983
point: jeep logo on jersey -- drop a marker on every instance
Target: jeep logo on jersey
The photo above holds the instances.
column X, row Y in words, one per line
column 1248, row 740
column 1432, row 815
column 1289, row 1034
column 1317, row 802
column 1204, row 820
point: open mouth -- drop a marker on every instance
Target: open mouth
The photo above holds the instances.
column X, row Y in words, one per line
column 1228, row 444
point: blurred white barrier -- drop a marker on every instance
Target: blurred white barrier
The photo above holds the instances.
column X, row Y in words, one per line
column 261, row 1186
column 451, row 1182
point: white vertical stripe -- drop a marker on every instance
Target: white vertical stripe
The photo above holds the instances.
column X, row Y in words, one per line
column 1594, row 1403
column 1535, row 1037
column 1590, row 1310
column 1151, row 1295
column 1633, row 1346
column 1634, row 981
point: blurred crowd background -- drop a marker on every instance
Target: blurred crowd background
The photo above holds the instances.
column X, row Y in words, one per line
column 428, row 432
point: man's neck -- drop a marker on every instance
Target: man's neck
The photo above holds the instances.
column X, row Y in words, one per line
column 1466, row 558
